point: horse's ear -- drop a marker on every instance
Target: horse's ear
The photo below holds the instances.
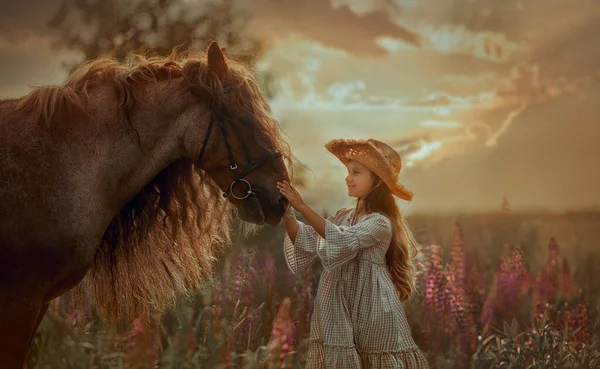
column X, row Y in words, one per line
column 216, row 61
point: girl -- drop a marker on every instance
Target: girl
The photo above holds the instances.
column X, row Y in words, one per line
column 358, row 320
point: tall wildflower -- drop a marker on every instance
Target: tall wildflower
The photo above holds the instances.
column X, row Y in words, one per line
column 283, row 334
column 434, row 294
column 550, row 284
column 459, row 318
column 509, row 283
column 450, row 308
column 502, row 302
column 242, row 286
column 475, row 284
column 237, row 277
column 142, row 345
column 568, row 287
column 554, row 281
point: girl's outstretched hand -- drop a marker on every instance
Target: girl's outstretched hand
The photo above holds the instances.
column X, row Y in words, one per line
column 291, row 194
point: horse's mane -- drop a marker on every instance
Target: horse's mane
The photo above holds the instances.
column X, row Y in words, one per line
column 163, row 243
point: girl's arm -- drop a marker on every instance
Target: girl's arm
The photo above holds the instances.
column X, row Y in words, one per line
column 299, row 245
column 313, row 218
column 342, row 243
column 291, row 224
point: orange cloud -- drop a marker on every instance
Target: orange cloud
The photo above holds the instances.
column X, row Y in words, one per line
column 335, row 26
column 456, row 39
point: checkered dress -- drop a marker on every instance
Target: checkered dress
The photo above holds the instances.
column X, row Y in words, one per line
column 357, row 321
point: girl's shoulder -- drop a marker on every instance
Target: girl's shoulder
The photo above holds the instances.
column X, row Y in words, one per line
column 378, row 218
column 374, row 216
column 341, row 213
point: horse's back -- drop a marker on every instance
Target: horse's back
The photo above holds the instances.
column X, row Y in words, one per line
column 37, row 238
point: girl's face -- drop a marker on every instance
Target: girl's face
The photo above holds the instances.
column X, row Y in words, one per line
column 360, row 179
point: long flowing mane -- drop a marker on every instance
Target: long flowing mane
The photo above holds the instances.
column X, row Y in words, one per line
column 163, row 244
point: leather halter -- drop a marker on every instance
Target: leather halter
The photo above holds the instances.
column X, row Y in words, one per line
column 253, row 163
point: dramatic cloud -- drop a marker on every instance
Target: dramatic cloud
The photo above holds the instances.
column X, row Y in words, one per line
column 344, row 26
column 495, row 98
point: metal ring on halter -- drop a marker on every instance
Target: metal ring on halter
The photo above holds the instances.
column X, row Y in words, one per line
column 248, row 193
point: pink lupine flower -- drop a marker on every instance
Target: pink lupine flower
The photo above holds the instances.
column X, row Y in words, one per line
column 568, row 286
column 434, row 295
column 283, row 334
column 451, row 306
column 457, row 319
column 509, row 282
column 142, row 345
column 550, row 284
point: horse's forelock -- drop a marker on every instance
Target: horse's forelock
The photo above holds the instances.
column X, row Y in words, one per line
column 207, row 87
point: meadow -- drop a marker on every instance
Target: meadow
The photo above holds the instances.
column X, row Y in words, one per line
column 497, row 290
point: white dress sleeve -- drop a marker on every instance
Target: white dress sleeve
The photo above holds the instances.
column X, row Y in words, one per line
column 342, row 243
column 301, row 253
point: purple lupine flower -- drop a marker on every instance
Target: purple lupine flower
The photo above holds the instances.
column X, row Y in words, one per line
column 475, row 291
column 509, row 283
column 552, row 269
column 548, row 284
column 142, row 345
column 460, row 315
column 568, row 287
column 238, row 277
column 450, row 302
column 245, row 283
column 428, row 279
column 250, row 282
column 434, row 285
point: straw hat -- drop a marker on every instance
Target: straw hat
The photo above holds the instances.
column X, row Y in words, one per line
column 381, row 159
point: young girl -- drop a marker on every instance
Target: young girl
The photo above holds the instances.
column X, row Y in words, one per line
column 358, row 320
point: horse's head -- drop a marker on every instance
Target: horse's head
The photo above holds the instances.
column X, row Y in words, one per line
column 236, row 141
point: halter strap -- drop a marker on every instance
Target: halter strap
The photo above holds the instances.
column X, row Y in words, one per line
column 252, row 163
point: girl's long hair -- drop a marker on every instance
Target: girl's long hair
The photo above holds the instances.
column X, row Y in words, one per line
column 401, row 255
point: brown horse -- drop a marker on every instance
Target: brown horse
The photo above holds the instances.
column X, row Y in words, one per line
column 124, row 179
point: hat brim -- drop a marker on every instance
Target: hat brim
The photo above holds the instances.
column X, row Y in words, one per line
column 365, row 153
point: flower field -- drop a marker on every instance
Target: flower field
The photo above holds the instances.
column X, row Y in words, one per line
column 496, row 291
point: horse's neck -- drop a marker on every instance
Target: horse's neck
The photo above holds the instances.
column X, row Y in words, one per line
column 92, row 166
column 135, row 151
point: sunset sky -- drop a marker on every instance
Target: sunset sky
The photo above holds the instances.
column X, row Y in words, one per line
column 498, row 97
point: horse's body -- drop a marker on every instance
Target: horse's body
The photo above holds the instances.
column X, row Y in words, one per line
column 91, row 185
